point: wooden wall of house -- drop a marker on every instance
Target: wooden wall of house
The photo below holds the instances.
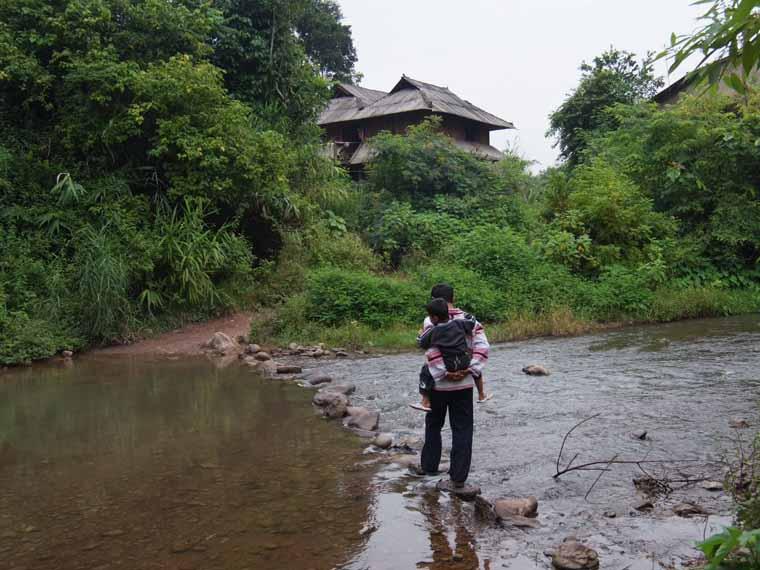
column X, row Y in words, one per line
column 456, row 127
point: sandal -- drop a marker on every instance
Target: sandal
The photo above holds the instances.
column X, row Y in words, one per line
column 484, row 400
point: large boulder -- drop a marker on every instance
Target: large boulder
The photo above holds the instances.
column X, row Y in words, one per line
column 572, row 555
column 505, row 508
column 220, row 343
column 331, row 404
column 362, row 418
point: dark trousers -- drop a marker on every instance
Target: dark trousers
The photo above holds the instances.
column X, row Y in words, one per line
column 459, row 406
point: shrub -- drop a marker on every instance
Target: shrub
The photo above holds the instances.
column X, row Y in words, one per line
column 473, row 294
column 336, row 296
column 620, row 292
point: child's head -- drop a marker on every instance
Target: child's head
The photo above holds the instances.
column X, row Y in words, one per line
column 438, row 310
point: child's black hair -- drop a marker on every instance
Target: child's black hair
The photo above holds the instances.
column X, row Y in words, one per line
column 438, row 308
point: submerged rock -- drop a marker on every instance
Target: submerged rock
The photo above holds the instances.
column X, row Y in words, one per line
column 640, row 434
column 572, row 555
column 345, row 389
column 688, row 510
column 317, row 380
column 288, row 369
column 266, row 368
column 644, row 506
column 362, row 418
column 332, row 404
column 535, row 370
column 738, row 423
column 383, row 441
column 220, row 343
column 527, row 507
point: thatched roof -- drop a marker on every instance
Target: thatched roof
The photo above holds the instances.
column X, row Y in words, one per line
column 348, row 101
column 408, row 95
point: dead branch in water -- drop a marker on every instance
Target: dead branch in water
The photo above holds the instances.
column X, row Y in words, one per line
column 604, row 466
column 564, row 440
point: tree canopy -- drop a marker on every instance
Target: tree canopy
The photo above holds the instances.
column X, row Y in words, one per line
column 613, row 77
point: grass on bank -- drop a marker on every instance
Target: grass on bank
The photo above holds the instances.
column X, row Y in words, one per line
column 287, row 324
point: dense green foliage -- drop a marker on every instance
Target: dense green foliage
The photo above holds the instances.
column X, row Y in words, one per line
column 614, row 77
column 148, row 152
column 657, row 221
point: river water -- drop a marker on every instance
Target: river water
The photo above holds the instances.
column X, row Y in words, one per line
column 177, row 464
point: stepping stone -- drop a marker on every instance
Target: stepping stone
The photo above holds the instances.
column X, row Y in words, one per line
column 466, row 493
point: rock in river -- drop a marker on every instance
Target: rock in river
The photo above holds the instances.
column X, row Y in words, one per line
column 572, row 555
column 738, row 423
column 332, row 404
column 688, row 510
column 262, row 356
column 527, row 507
column 345, row 389
column 362, row 418
column 535, row 370
column 220, row 343
column 320, row 379
column 288, row 369
column 383, row 441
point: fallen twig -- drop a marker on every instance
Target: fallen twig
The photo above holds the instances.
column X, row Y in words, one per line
column 564, row 440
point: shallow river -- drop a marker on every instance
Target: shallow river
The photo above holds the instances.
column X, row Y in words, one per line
column 116, row 463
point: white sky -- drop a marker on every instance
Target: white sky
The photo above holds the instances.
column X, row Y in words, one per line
column 517, row 59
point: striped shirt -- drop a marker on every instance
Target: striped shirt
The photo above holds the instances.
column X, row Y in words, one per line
column 478, row 343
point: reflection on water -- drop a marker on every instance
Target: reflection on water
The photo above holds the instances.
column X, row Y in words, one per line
column 179, row 465
column 111, row 464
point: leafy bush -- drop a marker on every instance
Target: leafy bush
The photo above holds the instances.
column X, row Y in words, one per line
column 424, row 164
column 620, row 292
column 336, row 296
column 473, row 293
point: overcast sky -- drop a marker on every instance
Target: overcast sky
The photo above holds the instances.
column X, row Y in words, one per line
column 517, row 59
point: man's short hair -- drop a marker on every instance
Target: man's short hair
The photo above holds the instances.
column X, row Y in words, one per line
column 443, row 291
column 438, row 308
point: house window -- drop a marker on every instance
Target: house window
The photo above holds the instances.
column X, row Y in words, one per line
column 471, row 133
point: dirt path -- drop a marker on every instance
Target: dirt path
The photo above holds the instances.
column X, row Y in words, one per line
column 187, row 340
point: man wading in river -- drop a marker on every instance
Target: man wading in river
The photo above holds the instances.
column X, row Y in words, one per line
column 453, row 392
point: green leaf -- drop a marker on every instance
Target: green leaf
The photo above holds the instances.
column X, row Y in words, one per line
column 735, row 82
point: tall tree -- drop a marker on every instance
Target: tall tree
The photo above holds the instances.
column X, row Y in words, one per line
column 327, row 40
column 613, row 77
